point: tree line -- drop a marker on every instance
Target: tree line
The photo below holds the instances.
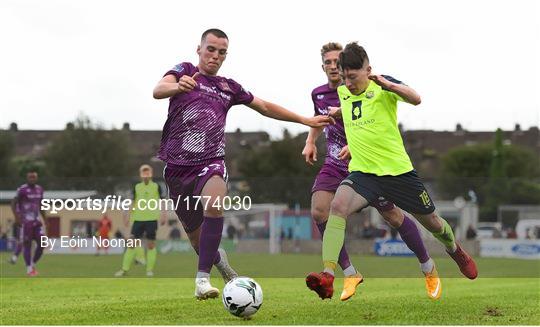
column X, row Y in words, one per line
column 87, row 156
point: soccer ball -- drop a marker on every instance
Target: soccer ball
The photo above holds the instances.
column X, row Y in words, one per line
column 242, row 297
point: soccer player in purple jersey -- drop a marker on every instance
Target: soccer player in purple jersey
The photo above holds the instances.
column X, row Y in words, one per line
column 193, row 147
column 26, row 207
column 335, row 170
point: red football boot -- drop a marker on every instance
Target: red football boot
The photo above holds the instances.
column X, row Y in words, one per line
column 465, row 263
column 321, row 283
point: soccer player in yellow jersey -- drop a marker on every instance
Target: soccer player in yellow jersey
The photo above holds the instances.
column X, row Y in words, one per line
column 335, row 170
column 145, row 221
column 380, row 167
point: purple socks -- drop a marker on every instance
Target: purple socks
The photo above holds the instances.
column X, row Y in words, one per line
column 209, row 240
column 411, row 236
column 37, row 253
column 27, row 252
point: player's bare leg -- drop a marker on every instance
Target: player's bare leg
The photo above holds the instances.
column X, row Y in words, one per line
column 443, row 232
column 345, row 202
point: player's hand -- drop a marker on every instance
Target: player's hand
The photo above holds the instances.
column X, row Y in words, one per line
column 380, row 80
column 344, row 154
column 334, row 112
column 187, row 83
column 319, row 121
column 163, row 221
column 310, row 153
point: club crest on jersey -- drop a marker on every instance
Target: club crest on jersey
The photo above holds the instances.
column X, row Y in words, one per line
column 320, row 96
column 370, row 94
column 225, row 86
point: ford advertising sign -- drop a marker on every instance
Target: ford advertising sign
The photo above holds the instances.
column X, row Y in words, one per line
column 523, row 249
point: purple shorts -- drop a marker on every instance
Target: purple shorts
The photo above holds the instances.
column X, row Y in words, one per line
column 31, row 231
column 185, row 182
column 330, row 177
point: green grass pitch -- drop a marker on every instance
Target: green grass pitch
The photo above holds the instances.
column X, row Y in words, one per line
column 79, row 290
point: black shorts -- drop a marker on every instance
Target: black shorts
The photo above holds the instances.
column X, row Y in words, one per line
column 144, row 227
column 406, row 190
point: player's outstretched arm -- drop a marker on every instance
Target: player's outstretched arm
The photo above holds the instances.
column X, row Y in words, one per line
column 275, row 111
column 310, row 149
column 408, row 94
column 169, row 86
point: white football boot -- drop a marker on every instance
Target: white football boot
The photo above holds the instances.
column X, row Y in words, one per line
column 203, row 289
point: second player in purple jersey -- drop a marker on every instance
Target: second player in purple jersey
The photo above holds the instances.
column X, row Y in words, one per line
column 26, row 207
column 324, row 97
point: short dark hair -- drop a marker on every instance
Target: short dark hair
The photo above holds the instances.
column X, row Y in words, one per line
column 214, row 31
column 353, row 56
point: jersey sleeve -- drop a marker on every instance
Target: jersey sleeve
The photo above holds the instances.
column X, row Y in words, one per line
column 240, row 95
column 18, row 193
column 391, row 95
column 180, row 70
column 315, row 109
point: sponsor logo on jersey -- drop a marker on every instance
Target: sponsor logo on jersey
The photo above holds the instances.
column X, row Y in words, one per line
column 214, row 90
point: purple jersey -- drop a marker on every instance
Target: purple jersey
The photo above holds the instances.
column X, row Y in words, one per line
column 194, row 132
column 324, row 97
column 29, row 202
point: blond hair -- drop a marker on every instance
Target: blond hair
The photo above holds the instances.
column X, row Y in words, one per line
column 330, row 46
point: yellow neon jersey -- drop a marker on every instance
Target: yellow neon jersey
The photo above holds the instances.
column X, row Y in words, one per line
column 372, row 132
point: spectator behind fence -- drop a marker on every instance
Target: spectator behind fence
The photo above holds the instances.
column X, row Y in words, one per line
column 511, row 233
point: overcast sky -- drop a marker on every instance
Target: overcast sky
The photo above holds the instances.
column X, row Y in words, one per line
column 473, row 62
